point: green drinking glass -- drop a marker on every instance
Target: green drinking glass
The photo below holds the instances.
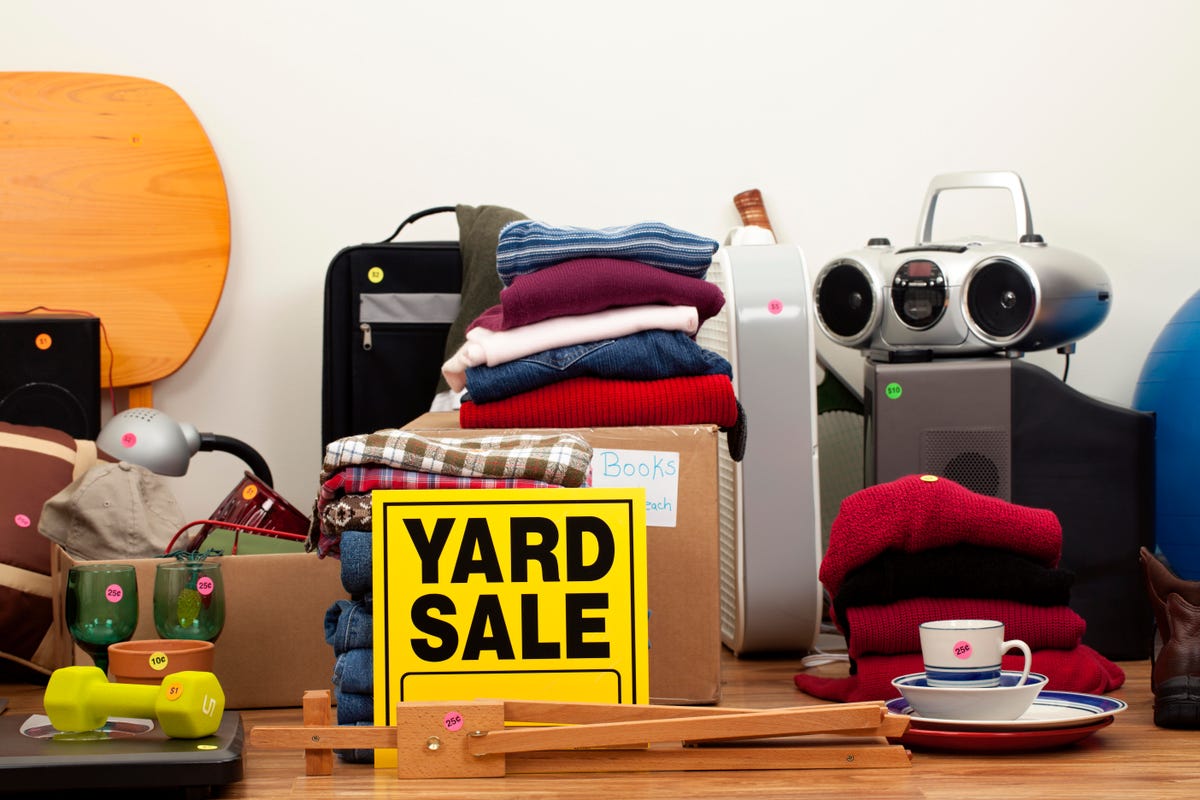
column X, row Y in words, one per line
column 101, row 607
column 189, row 600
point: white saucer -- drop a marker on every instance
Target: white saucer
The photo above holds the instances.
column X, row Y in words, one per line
column 1050, row 710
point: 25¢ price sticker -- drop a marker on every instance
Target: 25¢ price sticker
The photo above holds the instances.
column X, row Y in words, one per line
column 114, row 593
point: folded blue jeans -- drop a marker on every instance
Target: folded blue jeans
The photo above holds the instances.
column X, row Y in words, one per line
column 354, row 671
column 642, row 356
column 348, row 626
column 355, row 548
column 354, row 708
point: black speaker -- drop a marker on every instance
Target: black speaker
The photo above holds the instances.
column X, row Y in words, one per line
column 50, row 373
column 1009, row 429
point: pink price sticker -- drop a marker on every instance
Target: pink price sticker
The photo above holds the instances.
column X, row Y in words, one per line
column 22, row 520
column 128, row 439
column 453, row 721
column 205, row 586
column 775, row 306
column 962, row 649
column 114, row 593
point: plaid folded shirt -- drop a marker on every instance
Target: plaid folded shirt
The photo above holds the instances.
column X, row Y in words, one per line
column 363, row 479
column 344, row 500
column 560, row 459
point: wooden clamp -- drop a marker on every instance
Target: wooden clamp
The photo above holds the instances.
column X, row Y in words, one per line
column 476, row 738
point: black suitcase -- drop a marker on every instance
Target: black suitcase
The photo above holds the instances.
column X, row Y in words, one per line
column 389, row 307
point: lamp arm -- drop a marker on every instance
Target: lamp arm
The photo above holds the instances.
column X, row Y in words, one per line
column 227, row 444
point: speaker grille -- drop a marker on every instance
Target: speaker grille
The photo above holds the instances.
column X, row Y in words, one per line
column 48, row 405
column 50, row 372
column 1000, row 299
column 845, row 301
column 977, row 458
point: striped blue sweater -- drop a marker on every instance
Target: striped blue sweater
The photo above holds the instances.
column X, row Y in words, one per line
column 528, row 245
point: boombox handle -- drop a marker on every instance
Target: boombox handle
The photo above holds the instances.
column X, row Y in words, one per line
column 977, row 180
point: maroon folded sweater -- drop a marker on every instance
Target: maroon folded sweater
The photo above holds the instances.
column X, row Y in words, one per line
column 921, row 512
column 589, row 402
column 895, row 627
column 1080, row 669
column 586, row 285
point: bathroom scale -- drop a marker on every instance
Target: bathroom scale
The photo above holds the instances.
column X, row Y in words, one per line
column 126, row 754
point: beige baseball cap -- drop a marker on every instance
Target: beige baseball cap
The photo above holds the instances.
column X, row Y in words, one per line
column 114, row 510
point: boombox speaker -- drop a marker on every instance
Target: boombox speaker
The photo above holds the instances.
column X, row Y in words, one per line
column 1009, row 429
column 50, row 373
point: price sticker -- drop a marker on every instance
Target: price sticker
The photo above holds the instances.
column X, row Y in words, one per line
column 22, row 520
column 204, row 586
column 453, row 721
column 962, row 649
column 775, row 306
column 250, row 492
column 158, row 661
column 175, row 691
column 114, row 593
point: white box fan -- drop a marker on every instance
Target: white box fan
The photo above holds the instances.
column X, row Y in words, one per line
column 770, row 520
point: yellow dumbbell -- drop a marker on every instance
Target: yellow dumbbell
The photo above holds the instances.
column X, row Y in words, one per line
column 187, row 705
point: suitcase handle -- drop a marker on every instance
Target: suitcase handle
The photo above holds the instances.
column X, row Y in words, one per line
column 414, row 217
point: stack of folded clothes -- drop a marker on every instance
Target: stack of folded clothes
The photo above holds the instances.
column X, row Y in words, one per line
column 397, row 459
column 924, row 548
column 595, row 327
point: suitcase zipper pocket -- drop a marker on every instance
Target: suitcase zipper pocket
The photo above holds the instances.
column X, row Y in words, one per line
column 432, row 308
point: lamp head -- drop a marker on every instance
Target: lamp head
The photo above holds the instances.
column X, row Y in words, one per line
column 151, row 439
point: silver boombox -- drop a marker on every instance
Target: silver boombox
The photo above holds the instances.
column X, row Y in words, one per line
column 962, row 297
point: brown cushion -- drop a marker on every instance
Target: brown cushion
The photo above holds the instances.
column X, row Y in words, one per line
column 36, row 463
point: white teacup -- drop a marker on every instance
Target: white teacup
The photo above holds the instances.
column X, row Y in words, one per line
column 966, row 652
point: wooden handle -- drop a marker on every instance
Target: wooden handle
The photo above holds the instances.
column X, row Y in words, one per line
column 752, row 210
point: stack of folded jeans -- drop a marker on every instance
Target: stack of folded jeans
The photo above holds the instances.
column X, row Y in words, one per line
column 924, row 548
column 595, row 327
column 398, row 459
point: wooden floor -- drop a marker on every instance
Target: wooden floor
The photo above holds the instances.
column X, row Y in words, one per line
column 1130, row 758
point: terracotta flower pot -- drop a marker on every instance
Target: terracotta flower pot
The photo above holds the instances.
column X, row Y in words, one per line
column 150, row 660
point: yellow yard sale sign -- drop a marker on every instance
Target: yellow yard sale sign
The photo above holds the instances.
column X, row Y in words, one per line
column 506, row 593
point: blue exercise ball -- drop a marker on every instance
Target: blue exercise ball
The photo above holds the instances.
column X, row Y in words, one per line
column 1169, row 386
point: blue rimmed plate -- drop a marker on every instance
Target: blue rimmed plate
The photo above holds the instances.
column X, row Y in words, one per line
column 1050, row 710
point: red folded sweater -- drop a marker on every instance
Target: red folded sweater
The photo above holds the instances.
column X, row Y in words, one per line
column 895, row 627
column 589, row 402
column 921, row 512
column 1080, row 669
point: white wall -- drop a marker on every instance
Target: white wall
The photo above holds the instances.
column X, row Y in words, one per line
column 335, row 121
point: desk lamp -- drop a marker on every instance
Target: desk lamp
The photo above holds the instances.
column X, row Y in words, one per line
column 151, row 439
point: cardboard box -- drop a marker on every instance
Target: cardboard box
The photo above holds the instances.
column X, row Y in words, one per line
column 682, row 555
column 272, row 648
